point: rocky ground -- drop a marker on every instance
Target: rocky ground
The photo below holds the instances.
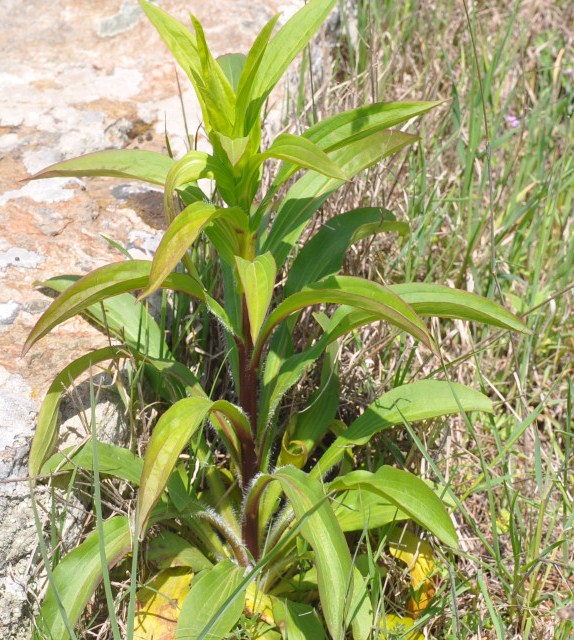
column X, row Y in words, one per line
column 76, row 77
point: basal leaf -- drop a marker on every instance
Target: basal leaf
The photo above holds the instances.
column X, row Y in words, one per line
column 299, row 620
column 78, row 575
column 133, row 164
column 422, row 400
column 201, row 614
column 358, row 510
column 257, row 280
column 407, row 492
column 170, row 550
column 320, row 528
column 102, row 283
column 232, row 65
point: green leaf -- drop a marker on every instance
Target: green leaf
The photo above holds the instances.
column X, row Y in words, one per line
column 46, row 430
column 320, row 528
column 257, row 280
column 445, row 302
column 422, row 400
column 301, row 152
column 323, row 255
column 123, row 317
column 179, row 236
column 171, row 434
column 201, row 614
column 109, row 280
column 310, row 191
column 232, row 65
column 360, row 613
column 193, row 166
column 298, row 620
column 170, row 550
column 78, row 575
column 132, row 164
column 112, row 460
column 351, row 291
column 290, row 40
column 409, row 493
column 358, row 510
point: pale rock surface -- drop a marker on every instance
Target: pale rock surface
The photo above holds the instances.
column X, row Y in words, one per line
column 76, row 77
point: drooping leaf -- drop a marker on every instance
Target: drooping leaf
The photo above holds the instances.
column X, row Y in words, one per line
column 112, row 460
column 193, row 166
column 301, row 152
column 257, row 280
column 102, row 283
column 202, row 614
column 358, row 510
column 422, row 400
column 46, row 429
column 123, row 317
column 78, row 575
column 446, row 302
column 320, row 528
column 358, row 293
column 409, row 493
column 132, row 164
column 159, row 604
column 323, row 255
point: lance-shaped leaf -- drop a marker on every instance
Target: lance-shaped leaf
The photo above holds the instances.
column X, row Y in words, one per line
column 172, row 433
column 257, row 280
column 358, row 510
column 232, row 65
column 290, row 40
column 214, row 603
column 301, row 152
column 355, row 292
column 323, row 255
column 299, row 620
column 320, row 528
column 102, row 283
column 193, row 166
column 409, row 493
column 46, row 429
column 308, row 193
column 132, row 164
column 112, row 460
column 179, row 236
column 422, row 400
column 127, row 320
column 78, row 575
column 446, row 302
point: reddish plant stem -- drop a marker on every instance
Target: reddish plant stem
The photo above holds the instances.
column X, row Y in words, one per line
column 248, row 402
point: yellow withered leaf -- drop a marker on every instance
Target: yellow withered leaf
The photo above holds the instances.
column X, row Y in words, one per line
column 393, row 626
column 419, row 558
column 158, row 604
column 258, row 604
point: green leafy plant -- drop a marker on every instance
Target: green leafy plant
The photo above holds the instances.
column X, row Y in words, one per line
column 264, row 532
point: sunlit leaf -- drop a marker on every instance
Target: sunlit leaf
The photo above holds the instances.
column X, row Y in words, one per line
column 79, row 573
column 232, row 65
column 257, row 280
column 420, row 400
column 133, row 164
column 158, row 604
column 407, row 492
column 320, row 528
column 297, row 620
column 202, row 615
column 358, row 510
column 109, row 280
column 393, row 626
column 169, row 550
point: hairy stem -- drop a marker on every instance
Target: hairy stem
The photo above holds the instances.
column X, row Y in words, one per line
column 248, row 402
